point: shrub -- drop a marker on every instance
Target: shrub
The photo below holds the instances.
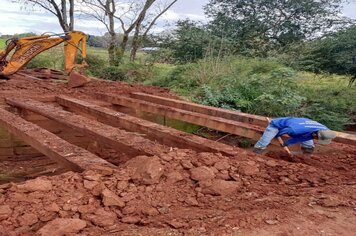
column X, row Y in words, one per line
column 38, row 62
column 332, row 119
column 263, row 87
column 135, row 72
column 112, row 73
column 52, row 58
column 129, row 72
column 95, row 64
column 163, row 55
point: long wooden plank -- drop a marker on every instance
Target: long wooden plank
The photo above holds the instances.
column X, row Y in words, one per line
column 224, row 113
column 115, row 138
column 217, row 123
column 160, row 133
column 57, row 149
column 345, row 138
column 207, row 110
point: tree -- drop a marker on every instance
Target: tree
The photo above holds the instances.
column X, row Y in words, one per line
column 105, row 12
column 97, row 41
column 191, row 41
column 63, row 10
column 259, row 25
column 334, row 53
column 131, row 16
column 139, row 37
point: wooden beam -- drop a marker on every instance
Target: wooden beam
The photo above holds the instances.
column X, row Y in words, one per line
column 115, row 138
column 216, row 123
column 162, row 134
column 227, row 114
column 207, row 110
column 345, row 138
column 57, row 149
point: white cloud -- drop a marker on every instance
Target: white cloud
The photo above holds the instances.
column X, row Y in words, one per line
column 14, row 19
column 171, row 15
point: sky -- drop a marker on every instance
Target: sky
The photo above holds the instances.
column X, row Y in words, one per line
column 15, row 19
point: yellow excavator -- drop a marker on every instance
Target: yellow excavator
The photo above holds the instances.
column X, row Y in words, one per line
column 27, row 48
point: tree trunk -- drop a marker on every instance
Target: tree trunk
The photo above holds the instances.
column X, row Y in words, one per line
column 123, row 44
column 135, row 44
column 112, row 50
column 64, row 13
column 110, row 11
column 71, row 15
column 136, row 37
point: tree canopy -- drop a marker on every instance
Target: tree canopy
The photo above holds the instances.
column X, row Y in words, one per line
column 258, row 25
column 335, row 53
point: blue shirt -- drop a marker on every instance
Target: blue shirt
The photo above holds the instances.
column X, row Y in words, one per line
column 299, row 129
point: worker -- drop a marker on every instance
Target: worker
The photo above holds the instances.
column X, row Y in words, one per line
column 300, row 130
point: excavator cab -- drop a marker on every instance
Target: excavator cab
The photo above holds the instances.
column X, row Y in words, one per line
column 24, row 49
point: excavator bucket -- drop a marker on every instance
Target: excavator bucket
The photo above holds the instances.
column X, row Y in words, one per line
column 77, row 80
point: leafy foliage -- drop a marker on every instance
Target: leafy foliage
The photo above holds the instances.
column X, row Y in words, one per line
column 129, row 72
column 260, row 25
column 263, row 87
column 112, row 73
column 163, row 55
column 335, row 53
column 269, row 94
column 191, row 42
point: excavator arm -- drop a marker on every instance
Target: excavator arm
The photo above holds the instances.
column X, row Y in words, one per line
column 29, row 47
column 71, row 47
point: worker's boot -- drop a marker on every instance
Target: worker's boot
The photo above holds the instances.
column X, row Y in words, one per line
column 258, row 150
column 308, row 150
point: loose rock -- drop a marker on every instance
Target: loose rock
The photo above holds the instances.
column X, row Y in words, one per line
column 60, row 227
column 35, row 185
column 174, row 177
column 102, row 218
column 201, row 173
column 186, row 164
column 53, row 207
column 28, row 219
column 249, row 168
column 150, row 211
column 111, row 199
column 131, row 219
column 148, row 170
column 5, row 210
column 219, row 187
column 222, row 165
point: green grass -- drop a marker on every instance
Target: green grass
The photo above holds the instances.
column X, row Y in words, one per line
column 2, row 43
column 54, row 57
column 99, row 52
